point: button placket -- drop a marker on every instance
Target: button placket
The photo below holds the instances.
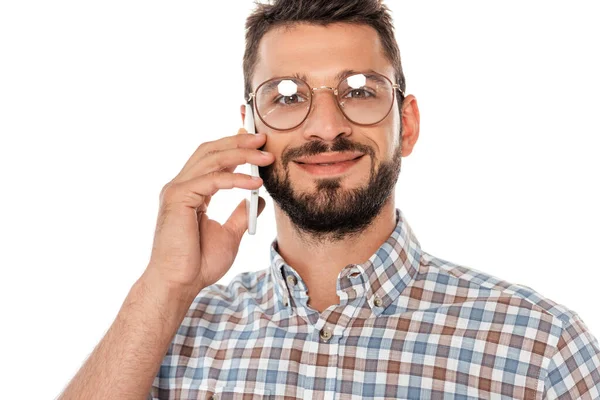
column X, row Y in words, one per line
column 292, row 281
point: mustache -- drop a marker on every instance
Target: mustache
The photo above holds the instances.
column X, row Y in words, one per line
column 315, row 147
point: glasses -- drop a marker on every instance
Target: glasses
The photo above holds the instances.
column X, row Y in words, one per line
column 284, row 103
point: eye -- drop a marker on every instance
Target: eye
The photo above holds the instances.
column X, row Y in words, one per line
column 289, row 100
column 359, row 94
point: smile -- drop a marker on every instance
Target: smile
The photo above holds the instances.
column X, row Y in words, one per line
column 329, row 168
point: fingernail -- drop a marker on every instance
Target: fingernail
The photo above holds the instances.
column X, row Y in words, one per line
column 264, row 153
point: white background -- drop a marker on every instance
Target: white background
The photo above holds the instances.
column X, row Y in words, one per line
column 102, row 103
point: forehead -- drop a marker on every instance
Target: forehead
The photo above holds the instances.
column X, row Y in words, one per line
column 319, row 52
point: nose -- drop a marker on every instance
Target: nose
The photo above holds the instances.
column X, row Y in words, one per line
column 325, row 120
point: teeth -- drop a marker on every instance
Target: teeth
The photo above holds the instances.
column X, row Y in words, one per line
column 326, row 164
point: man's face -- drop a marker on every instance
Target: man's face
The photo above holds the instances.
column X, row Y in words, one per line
column 333, row 205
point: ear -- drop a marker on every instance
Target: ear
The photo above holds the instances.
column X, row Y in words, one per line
column 410, row 124
column 243, row 113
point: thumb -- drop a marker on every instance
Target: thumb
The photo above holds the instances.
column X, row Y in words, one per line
column 237, row 223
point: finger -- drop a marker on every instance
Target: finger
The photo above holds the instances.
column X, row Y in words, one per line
column 242, row 131
column 231, row 158
column 237, row 223
column 193, row 193
column 241, row 140
column 207, row 200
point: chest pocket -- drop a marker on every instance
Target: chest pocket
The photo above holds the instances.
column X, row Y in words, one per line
column 231, row 393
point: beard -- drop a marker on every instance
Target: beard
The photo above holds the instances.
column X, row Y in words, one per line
column 332, row 213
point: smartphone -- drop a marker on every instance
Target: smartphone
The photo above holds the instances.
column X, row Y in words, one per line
column 252, row 205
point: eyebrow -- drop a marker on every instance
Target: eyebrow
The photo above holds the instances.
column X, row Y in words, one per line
column 340, row 75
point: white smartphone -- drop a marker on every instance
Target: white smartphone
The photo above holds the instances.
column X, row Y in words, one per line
column 252, row 205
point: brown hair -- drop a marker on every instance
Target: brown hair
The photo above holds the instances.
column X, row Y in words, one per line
column 320, row 12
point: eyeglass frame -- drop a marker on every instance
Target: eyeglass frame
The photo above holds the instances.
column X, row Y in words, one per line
column 252, row 96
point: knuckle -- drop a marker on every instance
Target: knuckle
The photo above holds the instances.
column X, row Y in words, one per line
column 214, row 178
column 231, row 157
column 218, row 160
column 167, row 192
column 211, row 153
column 204, row 148
column 213, row 183
column 213, row 175
column 166, row 188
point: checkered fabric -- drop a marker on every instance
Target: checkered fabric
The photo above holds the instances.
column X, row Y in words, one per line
column 408, row 326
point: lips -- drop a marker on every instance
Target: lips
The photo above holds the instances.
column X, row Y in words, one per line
column 329, row 158
column 329, row 170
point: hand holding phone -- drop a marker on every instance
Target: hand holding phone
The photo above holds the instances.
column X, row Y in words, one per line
column 190, row 250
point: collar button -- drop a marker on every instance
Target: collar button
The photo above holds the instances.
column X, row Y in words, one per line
column 292, row 280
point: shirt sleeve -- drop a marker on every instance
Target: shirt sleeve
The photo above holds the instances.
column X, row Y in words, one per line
column 574, row 370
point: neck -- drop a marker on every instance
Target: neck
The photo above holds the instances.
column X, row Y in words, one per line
column 319, row 262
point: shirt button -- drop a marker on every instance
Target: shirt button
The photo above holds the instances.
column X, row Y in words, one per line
column 214, row 397
column 292, row 280
column 325, row 335
column 285, row 301
column 377, row 301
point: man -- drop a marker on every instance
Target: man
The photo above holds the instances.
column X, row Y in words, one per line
column 351, row 306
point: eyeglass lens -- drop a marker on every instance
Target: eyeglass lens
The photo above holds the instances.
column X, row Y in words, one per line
column 284, row 103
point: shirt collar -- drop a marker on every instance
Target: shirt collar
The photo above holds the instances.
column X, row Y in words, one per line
column 380, row 279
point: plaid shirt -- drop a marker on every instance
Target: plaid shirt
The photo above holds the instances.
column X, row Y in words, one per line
column 409, row 326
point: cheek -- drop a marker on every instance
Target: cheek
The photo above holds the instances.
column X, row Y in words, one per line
column 277, row 165
column 276, row 146
column 395, row 134
column 395, row 143
column 393, row 139
column 386, row 147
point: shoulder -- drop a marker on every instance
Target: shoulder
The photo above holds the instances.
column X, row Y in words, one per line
column 244, row 288
column 472, row 283
column 555, row 332
column 218, row 306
